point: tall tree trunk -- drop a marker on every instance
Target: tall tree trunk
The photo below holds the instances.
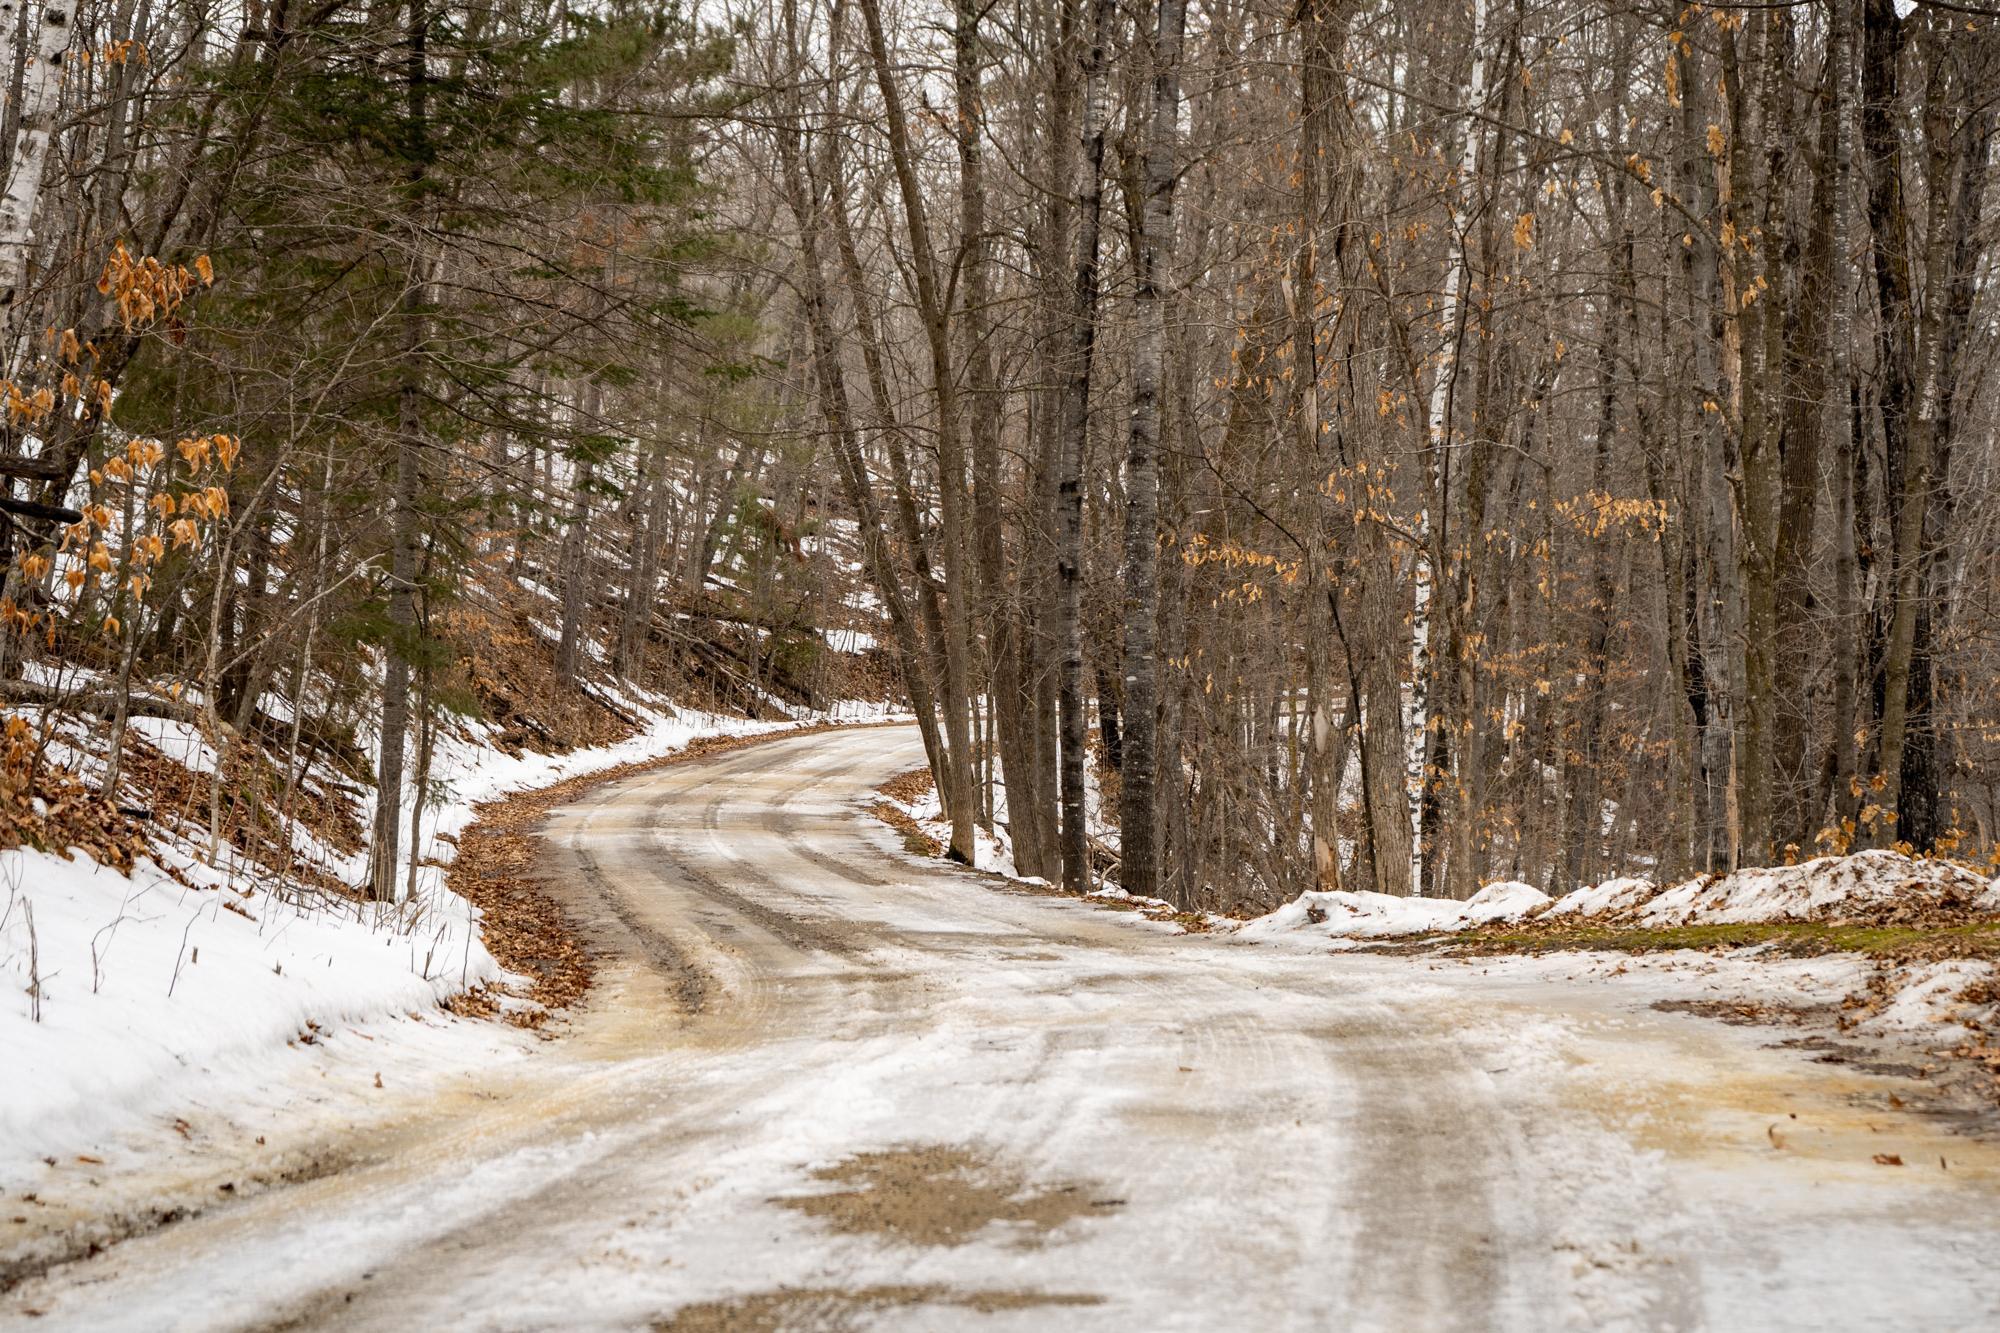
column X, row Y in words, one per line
column 1427, row 564
column 1139, row 868
column 930, row 624
column 1075, row 433
column 1714, row 649
column 1583, row 826
column 1959, row 158
column 404, row 485
column 1810, row 352
column 1750, row 311
column 1906, row 466
column 34, row 42
column 576, row 545
column 1319, row 85
column 1040, row 594
column 1003, row 628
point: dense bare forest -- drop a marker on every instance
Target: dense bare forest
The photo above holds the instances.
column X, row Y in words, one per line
column 1036, row 664
column 1390, row 445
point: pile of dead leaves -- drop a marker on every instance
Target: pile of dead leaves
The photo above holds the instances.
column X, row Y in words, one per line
column 49, row 810
column 522, row 926
column 915, row 841
column 909, row 788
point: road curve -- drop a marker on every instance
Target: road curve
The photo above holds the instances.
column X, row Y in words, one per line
column 824, row 1086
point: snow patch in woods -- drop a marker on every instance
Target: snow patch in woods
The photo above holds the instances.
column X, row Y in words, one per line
column 1360, row 915
column 123, row 996
column 1609, row 898
column 1877, row 886
column 1507, row 900
column 1867, row 884
column 851, row 641
column 178, row 741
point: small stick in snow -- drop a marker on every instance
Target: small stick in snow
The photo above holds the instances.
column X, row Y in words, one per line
column 177, row 957
column 34, row 963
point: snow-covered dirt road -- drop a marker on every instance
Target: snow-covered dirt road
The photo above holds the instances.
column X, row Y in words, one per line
column 823, row 1086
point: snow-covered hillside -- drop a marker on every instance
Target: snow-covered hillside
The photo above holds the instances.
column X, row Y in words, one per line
column 126, row 991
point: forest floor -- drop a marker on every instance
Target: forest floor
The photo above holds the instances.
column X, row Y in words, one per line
column 819, row 1084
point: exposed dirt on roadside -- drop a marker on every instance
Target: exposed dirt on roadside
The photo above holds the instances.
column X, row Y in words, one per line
column 939, row 1194
column 837, row 1309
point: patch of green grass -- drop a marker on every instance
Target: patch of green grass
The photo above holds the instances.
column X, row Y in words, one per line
column 1979, row 939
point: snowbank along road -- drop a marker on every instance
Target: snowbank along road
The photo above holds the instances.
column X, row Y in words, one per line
column 824, row 1086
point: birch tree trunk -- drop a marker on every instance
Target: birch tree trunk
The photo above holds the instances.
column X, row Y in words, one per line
column 1075, row 431
column 1139, row 871
column 35, row 39
column 1438, row 442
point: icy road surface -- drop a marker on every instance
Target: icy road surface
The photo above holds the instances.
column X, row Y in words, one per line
column 822, row 1086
